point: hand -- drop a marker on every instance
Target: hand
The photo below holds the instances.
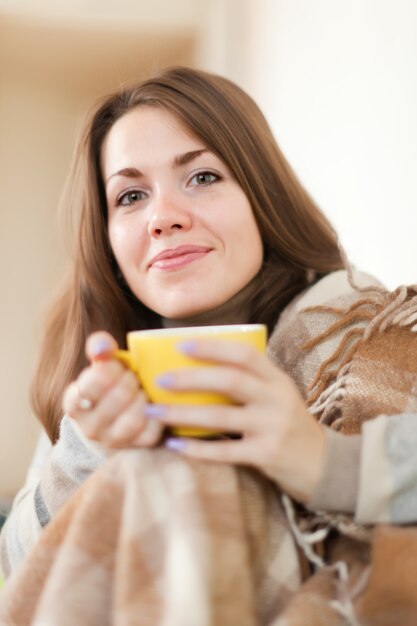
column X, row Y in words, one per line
column 115, row 417
column 280, row 437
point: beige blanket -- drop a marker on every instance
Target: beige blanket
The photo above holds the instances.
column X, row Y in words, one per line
column 153, row 538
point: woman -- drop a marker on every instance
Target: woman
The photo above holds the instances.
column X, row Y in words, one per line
column 262, row 240
column 188, row 214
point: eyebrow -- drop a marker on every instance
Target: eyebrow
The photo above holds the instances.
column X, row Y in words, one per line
column 178, row 161
column 187, row 157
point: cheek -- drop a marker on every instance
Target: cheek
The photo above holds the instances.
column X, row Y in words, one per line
column 246, row 235
column 254, row 253
column 125, row 242
column 250, row 246
column 257, row 254
column 116, row 239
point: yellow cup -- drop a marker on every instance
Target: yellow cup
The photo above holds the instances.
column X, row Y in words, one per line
column 152, row 353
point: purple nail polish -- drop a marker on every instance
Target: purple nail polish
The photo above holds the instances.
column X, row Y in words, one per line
column 155, row 410
column 177, row 445
column 187, row 347
column 165, row 380
column 100, row 347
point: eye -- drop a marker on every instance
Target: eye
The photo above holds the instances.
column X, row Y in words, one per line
column 130, row 197
column 203, row 179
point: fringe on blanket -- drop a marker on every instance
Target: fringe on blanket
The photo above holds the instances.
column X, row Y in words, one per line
column 375, row 312
column 398, row 308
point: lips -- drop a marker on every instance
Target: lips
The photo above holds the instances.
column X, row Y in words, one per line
column 175, row 258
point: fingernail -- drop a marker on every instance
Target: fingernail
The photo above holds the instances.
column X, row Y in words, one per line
column 155, row 410
column 166, row 380
column 187, row 347
column 100, row 347
column 177, row 445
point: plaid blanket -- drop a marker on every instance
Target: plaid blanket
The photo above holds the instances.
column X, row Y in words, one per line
column 154, row 538
column 354, row 359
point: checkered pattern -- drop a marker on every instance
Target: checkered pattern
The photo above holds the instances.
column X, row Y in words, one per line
column 153, row 538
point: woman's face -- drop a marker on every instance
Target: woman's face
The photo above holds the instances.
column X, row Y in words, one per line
column 181, row 228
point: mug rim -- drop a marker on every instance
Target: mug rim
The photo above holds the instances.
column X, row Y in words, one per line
column 198, row 330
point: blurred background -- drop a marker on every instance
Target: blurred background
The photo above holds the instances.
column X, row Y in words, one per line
column 337, row 81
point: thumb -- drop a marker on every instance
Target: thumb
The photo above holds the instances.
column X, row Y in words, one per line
column 100, row 346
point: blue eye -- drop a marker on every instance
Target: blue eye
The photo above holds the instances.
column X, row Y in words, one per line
column 203, row 179
column 130, row 197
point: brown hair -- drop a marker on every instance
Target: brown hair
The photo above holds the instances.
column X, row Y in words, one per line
column 297, row 237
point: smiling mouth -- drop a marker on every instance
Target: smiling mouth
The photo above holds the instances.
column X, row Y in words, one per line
column 180, row 257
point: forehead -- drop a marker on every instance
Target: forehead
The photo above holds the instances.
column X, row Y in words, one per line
column 144, row 128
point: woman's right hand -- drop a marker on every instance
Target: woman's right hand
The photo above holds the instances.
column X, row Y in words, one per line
column 115, row 416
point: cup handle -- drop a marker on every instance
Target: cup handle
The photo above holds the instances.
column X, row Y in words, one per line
column 125, row 357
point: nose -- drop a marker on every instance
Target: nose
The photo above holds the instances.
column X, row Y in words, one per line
column 168, row 216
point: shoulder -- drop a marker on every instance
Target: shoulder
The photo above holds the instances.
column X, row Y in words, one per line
column 332, row 286
column 297, row 324
column 334, row 289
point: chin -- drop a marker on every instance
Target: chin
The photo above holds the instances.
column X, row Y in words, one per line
column 175, row 312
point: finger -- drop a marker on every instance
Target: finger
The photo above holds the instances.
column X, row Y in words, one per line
column 92, row 384
column 133, row 429
column 150, row 435
column 109, row 407
column 229, row 352
column 243, row 451
column 73, row 400
column 240, row 386
column 217, row 417
column 70, row 400
column 128, row 425
column 100, row 345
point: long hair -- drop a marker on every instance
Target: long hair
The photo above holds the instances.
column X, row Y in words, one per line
column 296, row 236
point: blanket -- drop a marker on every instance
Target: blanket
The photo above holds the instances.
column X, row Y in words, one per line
column 154, row 538
column 355, row 359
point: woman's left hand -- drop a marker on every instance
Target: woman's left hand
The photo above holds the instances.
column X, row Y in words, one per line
column 280, row 437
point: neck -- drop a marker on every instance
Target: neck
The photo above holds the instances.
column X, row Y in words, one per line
column 237, row 310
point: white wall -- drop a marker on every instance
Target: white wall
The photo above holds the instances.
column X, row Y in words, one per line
column 338, row 82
